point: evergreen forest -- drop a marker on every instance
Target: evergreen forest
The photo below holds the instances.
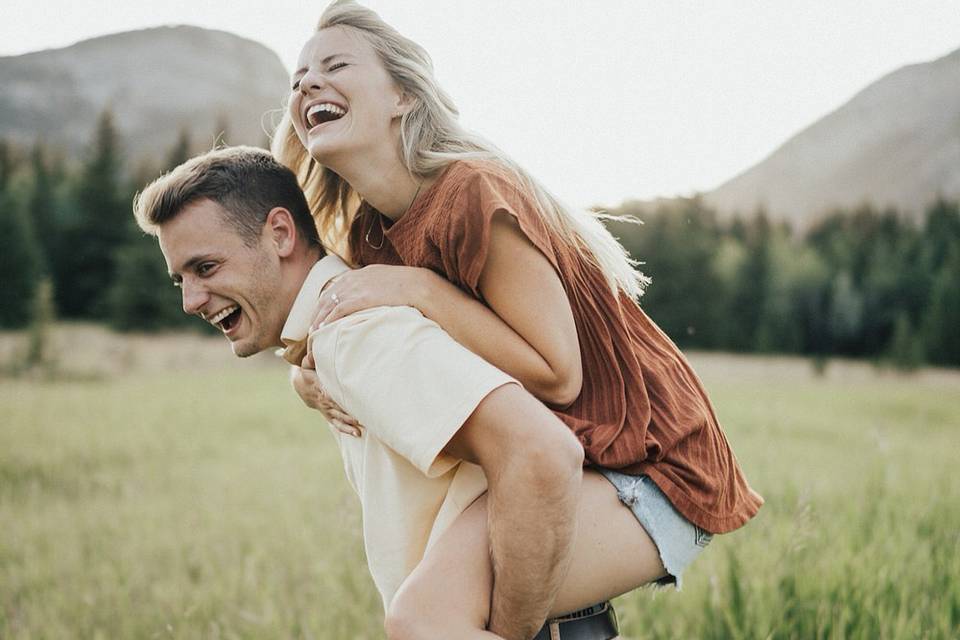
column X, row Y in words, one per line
column 866, row 283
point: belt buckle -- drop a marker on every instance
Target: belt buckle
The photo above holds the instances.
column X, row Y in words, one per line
column 596, row 622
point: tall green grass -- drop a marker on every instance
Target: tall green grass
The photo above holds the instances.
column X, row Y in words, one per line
column 212, row 505
column 860, row 536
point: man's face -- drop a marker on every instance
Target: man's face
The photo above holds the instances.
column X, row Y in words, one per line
column 231, row 285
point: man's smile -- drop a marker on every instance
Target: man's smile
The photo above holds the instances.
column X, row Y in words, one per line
column 226, row 319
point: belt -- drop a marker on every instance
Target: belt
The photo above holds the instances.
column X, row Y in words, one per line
column 598, row 622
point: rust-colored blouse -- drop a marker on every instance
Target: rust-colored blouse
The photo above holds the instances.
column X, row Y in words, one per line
column 642, row 409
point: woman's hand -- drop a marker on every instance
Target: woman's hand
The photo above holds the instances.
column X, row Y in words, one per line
column 307, row 385
column 377, row 285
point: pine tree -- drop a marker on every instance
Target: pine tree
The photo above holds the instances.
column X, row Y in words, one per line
column 679, row 244
column 6, row 165
column 906, row 348
column 42, row 204
column 798, row 282
column 751, row 288
column 88, row 264
column 941, row 230
column 20, row 261
column 142, row 297
column 845, row 314
column 942, row 322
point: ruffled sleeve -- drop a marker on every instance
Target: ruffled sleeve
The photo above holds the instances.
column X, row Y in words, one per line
column 462, row 233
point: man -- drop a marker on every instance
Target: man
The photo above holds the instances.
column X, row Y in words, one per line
column 239, row 241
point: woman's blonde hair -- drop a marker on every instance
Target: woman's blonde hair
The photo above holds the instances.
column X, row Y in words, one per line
column 431, row 137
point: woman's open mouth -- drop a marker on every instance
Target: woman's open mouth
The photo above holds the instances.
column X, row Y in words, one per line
column 323, row 113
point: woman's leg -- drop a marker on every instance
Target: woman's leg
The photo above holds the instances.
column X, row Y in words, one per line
column 448, row 594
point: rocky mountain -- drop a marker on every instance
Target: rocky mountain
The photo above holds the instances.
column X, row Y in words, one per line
column 897, row 142
column 157, row 82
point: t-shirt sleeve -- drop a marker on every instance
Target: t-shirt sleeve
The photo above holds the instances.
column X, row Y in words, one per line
column 462, row 234
column 405, row 379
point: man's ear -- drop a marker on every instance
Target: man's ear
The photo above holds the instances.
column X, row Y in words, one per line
column 281, row 230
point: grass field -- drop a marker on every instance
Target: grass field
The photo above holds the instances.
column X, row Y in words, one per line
column 141, row 497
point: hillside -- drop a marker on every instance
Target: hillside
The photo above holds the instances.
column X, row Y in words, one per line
column 897, row 142
column 156, row 81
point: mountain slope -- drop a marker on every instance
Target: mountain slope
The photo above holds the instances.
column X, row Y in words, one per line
column 897, row 142
column 156, row 81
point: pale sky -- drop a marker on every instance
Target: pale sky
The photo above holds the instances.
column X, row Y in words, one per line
column 602, row 101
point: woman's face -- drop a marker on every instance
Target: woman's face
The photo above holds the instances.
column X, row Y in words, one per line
column 343, row 102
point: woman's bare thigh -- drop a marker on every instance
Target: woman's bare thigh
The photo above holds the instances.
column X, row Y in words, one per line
column 612, row 555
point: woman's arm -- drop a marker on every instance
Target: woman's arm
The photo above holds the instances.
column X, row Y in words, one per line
column 527, row 331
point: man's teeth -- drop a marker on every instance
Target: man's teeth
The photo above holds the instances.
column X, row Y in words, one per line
column 217, row 319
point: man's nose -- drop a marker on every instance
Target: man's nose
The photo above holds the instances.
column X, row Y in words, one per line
column 194, row 297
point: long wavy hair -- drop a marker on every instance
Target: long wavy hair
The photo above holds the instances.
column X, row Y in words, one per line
column 431, row 137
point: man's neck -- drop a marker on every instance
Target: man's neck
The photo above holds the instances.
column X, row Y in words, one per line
column 297, row 275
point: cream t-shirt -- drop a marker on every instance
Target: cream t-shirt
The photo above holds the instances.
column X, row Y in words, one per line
column 412, row 387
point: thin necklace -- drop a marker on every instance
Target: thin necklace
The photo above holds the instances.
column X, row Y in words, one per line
column 383, row 233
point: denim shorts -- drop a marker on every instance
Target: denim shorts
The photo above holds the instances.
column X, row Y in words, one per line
column 678, row 540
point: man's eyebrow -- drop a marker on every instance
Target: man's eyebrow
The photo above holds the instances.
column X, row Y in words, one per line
column 327, row 60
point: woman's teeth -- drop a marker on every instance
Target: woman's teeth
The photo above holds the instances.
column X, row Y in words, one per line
column 324, row 112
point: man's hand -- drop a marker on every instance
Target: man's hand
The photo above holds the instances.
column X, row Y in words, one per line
column 307, row 385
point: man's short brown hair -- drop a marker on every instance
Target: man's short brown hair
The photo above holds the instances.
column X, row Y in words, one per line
column 246, row 182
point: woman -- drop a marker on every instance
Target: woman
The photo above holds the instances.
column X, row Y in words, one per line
column 544, row 293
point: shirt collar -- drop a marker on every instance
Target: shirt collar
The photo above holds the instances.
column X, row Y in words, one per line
column 295, row 330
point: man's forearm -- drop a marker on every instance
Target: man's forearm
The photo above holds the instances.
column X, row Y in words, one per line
column 532, row 525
